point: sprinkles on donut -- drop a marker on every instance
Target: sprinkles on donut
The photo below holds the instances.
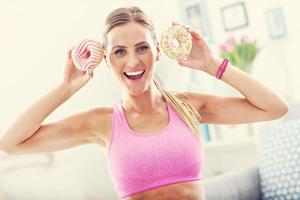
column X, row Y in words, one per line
column 176, row 42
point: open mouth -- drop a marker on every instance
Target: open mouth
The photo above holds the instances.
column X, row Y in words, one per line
column 134, row 75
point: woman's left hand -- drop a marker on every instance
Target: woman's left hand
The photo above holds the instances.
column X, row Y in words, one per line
column 201, row 56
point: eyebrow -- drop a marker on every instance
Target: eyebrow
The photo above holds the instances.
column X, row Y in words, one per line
column 119, row 46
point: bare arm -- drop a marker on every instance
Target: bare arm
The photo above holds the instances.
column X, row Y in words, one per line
column 71, row 131
column 30, row 120
column 27, row 134
column 259, row 103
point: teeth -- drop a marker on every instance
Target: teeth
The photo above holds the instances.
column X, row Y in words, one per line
column 134, row 73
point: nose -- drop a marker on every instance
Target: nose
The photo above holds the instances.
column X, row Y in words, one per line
column 132, row 60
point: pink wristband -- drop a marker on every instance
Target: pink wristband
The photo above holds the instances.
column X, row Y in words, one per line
column 222, row 69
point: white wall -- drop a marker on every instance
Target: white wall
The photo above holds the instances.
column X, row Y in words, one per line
column 35, row 36
column 34, row 39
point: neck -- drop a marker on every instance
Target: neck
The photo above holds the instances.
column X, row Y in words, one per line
column 149, row 101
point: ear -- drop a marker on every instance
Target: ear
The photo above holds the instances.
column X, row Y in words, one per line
column 158, row 52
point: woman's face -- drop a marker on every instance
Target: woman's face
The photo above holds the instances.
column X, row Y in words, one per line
column 131, row 54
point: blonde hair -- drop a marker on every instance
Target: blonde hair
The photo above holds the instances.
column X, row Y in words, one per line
column 128, row 14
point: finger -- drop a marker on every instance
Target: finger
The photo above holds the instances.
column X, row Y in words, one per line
column 183, row 62
column 71, row 47
column 186, row 27
column 89, row 73
column 69, row 54
column 176, row 23
column 194, row 33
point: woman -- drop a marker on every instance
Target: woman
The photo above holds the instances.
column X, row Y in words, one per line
column 150, row 136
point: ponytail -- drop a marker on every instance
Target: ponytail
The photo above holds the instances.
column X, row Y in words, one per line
column 187, row 112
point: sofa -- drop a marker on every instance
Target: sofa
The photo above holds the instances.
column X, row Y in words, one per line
column 236, row 185
column 277, row 174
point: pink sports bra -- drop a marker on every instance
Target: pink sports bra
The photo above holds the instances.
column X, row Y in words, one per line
column 138, row 162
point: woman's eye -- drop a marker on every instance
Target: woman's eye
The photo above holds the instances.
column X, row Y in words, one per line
column 120, row 52
column 142, row 48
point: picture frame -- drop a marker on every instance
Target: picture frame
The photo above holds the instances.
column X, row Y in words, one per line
column 195, row 14
column 276, row 23
column 234, row 16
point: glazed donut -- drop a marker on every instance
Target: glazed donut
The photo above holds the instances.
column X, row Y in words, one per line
column 176, row 42
column 87, row 54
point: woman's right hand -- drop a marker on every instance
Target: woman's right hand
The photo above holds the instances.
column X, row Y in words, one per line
column 74, row 78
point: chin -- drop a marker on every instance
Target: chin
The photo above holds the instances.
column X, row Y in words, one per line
column 138, row 89
column 136, row 92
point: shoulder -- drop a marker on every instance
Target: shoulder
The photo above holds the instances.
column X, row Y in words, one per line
column 197, row 100
column 98, row 121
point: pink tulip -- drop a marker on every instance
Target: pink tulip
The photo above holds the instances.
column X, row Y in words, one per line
column 245, row 39
column 223, row 48
column 230, row 44
column 231, row 41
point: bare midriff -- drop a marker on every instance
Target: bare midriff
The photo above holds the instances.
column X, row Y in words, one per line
column 180, row 191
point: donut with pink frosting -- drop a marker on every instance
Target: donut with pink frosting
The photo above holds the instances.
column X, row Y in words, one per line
column 87, row 54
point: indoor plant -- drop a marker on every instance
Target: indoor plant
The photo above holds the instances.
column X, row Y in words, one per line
column 239, row 53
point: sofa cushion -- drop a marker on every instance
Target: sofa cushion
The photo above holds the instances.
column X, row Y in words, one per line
column 279, row 166
column 236, row 185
